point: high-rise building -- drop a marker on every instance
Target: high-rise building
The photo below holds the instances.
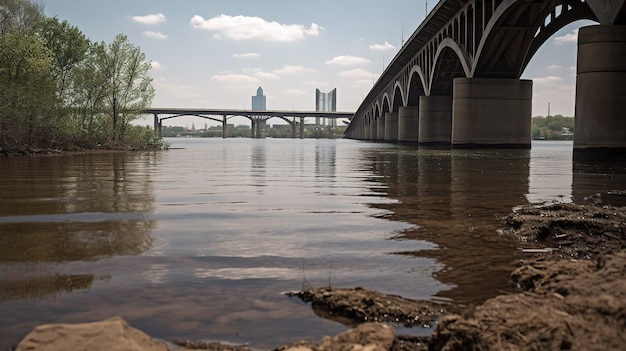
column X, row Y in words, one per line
column 325, row 102
column 258, row 100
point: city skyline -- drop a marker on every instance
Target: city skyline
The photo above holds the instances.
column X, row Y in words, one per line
column 213, row 55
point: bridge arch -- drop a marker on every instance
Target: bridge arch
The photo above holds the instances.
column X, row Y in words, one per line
column 450, row 61
column 398, row 98
column 415, row 86
column 547, row 20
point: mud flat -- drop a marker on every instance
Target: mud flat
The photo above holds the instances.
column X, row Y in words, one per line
column 571, row 295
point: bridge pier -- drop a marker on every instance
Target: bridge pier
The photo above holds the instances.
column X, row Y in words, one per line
column 435, row 121
column 408, row 123
column 224, row 127
column 301, row 127
column 491, row 112
column 373, row 129
column 600, row 124
column 391, row 126
column 380, row 128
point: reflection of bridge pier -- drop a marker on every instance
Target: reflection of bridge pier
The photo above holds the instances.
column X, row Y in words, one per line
column 461, row 70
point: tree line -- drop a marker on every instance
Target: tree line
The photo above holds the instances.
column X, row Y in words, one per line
column 59, row 90
column 556, row 127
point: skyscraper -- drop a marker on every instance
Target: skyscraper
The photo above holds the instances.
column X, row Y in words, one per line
column 325, row 102
column 258, row 100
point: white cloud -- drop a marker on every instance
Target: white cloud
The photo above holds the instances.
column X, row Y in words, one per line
column 567, row 38
column 266, row 75
column 234, row 78
column 154, row 35
column 356, row 73
column 315, row 83
column 245, row 27
column 549, row 80
column 247, row 55
column 287, row 69
column 362, row 83
column 293, row 92
column 150, row 19
column 347, row 60
column 555, row 67
column 156, row 64
column 382, row 47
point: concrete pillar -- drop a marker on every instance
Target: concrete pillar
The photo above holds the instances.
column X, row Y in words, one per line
column 408, row 123
column 261, row 126
column 391, row 126
column 600, row 123
column 373, row 129
column 253, row 129
column 435, row 122
column 366, row 129
column 491, row 112
column 380, row 128
column 156, row 125
column 224, row 127
column 301, row 127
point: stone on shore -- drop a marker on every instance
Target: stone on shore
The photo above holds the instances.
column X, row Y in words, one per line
column 365, row 337
column 112, row 334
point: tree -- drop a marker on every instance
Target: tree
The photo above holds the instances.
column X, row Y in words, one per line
column 27, row 93
column 69, row 48
column 128, row 87
column 19, row 16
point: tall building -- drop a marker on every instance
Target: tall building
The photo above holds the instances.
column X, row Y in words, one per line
column 258, row 101
column 325, row 102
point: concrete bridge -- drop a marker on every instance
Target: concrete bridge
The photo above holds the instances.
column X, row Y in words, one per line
column 456, row 81
column 257, row 117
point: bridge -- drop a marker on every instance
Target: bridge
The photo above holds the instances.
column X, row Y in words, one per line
column 258, row 117
column 456, row 81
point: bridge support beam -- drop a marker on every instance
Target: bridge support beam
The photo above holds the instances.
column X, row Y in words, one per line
column 380, row 128
column 435, row 121
column 301, row 127
column 373, row 129
column 600, row 124
column 408, row 123
column 491, row 112
column 391, row 126
column 224, row 127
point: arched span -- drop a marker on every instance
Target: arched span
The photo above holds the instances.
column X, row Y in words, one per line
column 398, row 98
column 416, row 86
column 450, row 62
column 192, row 115
column 510, row 41
column 385, row 106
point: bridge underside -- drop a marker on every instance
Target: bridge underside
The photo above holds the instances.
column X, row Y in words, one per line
column 456, row 81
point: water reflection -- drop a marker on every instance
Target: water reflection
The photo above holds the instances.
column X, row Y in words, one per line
column 67, row 209
column 454, row 199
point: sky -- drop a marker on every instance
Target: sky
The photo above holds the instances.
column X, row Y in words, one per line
column 216, row 53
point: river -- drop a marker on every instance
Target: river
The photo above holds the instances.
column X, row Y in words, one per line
column 199, row 242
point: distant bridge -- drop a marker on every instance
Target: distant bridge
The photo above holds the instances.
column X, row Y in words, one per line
column 257, row 117
column 456, row 81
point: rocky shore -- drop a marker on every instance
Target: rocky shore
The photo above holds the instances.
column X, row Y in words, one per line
column 571, row 295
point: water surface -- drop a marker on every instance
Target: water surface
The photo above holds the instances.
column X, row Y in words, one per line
column 199, row 242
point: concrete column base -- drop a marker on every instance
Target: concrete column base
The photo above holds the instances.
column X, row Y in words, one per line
column 435, row 122
column 600, row 123
column 408, row 123
column 491, row 112
column 373, row 129
column 380, row 128
column 391, row 126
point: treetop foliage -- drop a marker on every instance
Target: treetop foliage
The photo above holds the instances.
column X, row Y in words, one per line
column 60, row 90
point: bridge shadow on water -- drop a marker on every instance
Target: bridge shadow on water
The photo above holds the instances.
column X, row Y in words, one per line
column 456, row 199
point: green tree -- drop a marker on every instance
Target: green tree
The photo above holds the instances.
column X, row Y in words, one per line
column 128, row 88
column 27, row 92
column 19, row 16
column 69, row 48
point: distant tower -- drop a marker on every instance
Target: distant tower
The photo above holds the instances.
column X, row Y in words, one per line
column 258, row 101
column 325, row 102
